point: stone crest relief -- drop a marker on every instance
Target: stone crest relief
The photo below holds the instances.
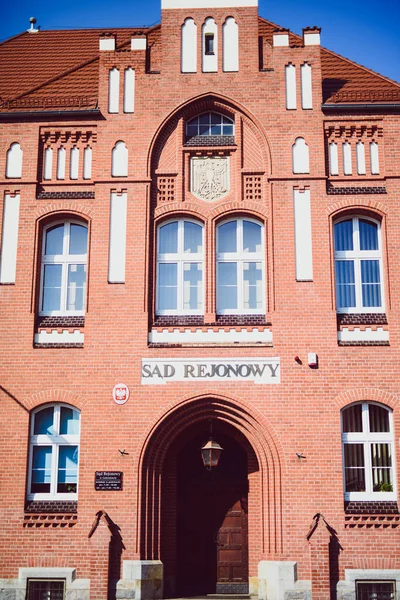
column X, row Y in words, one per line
column 209, row 177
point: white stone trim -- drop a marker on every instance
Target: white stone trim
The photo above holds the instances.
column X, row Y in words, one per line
column 55, row 337
column 189, row 46
column 129, row 90
column 312, row 39
column 117, row 249
column 280, row 40
column 113, row 90
column 230, row 45
column 201, row 336
column 306, row 86
column 9, row 244
column 346, row 590
column 277, row 578
column 138, row 43
column 75, row 588
column 291, row 94
column 303, row 235
column 168, row 4
column 363, row 335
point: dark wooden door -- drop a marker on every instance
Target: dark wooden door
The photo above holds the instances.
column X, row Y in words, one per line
column 212, row 537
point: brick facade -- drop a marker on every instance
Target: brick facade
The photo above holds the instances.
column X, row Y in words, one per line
column 291, row 431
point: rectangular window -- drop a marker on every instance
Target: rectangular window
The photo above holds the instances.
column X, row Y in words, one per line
column 375, row 590
column 209, row 43
column 45, row 589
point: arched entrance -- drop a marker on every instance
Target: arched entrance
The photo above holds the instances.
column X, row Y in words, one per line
column 195, row 521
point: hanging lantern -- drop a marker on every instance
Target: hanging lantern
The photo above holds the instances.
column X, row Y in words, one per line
column 210, row 454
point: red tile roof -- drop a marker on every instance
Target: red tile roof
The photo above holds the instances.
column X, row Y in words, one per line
column 59, row 70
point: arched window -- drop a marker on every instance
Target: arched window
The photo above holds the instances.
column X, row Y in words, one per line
column 119, row 160
column 14, row 161
column 230, row 45
column 368, row 453
column 300, row 155
column 189, row 46
column 209, row 124
column 240, row 267
column 180, row 259
column 53, row 453
column 358, row 265
column 63, row 270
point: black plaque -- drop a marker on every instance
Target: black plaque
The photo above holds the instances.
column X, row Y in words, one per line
column 108, row 481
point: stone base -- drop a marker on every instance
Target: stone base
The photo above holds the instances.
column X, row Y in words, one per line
column 141, row 580
column 277, row 580
column 346, row 590
column 15, row 589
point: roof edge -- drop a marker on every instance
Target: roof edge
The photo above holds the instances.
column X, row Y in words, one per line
column 42, row 114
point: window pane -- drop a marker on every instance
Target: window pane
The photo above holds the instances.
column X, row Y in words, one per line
column 216, row 118
column 370, row 279
column 45, row 590
column 343, row 236
column 381, row 460
column 54, row 240
column 192, row 286
column 204, row 119
column 69, row 421
column 41, row 469
column 78, row 239
column 216, row 129
column 368, row 235
column 375, row 590
column 227, row 130
column 192, row 236
column 227, row 286
column 354, row 467
column 378, row 419
column 44, row 422
column 352, row 419
column 251, row 237
column 52, row 287
column 252, row 285
column 67, row 469
column 345, row 284
column 227, row 237
column 192, row 129
column 168, row 238
column 205, row 129
column 76, row 287
column 167, row 286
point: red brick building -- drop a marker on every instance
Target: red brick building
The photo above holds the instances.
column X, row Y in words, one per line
column 199, row 240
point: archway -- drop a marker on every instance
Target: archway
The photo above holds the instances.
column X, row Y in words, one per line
column 172, row 473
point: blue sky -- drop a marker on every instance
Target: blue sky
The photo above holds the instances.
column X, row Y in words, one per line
column 365, row 31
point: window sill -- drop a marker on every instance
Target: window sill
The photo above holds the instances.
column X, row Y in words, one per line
column 59, row 332
column 51, row 507
column 362, row 329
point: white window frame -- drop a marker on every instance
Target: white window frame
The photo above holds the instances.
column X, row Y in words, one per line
column 356, row 256
column 367, row 438
column 239, row 258
column 55, row 441
column 180, row 258
column 65, row 260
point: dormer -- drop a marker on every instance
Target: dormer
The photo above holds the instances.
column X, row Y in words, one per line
column 209, row 36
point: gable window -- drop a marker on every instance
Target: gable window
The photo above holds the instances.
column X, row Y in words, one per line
column 240, row 267
column 63, row 269
column 358, row 265
column 375, row 590
column 209, row 124
column 180, row 261
column 54, row 450
column 45, row 589
column 368, row 462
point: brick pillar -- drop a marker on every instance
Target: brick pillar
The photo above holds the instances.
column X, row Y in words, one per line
column 99, row 537
column 319, row 538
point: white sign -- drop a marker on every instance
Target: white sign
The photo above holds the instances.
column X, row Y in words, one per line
column 258, row 370
column 120, row 393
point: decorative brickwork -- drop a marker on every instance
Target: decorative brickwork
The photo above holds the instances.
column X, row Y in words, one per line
column 65, row 195
column 361, row 190
column 211, row 140
column 51, row 506
column 361, row 319
column 54, row 322
column 371, row 508
column 166, row 188
column 252, row 188
column 355, row 343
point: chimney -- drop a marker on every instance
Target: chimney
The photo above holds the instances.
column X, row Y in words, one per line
column 312, row 36
column 107, row 42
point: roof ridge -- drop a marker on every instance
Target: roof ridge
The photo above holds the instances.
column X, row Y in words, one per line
column 280, row 27
column 371, row 71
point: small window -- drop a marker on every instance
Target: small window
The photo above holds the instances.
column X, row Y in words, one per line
column 45, row 589
column 54, row 452
column 63, row 269
column 209, row 43
column 240, row 267
column 358, row 266
column 210, row 124
column 375, row 590
column 368, row 457
column 180, row 261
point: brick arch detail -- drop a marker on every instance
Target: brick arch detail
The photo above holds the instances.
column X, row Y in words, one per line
column 179, row 209
column 208, row 101
column 351, row 203
column 365, row 394
column 53, row 397
column 169, row 425
column 64, row 207
column 230, row 208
